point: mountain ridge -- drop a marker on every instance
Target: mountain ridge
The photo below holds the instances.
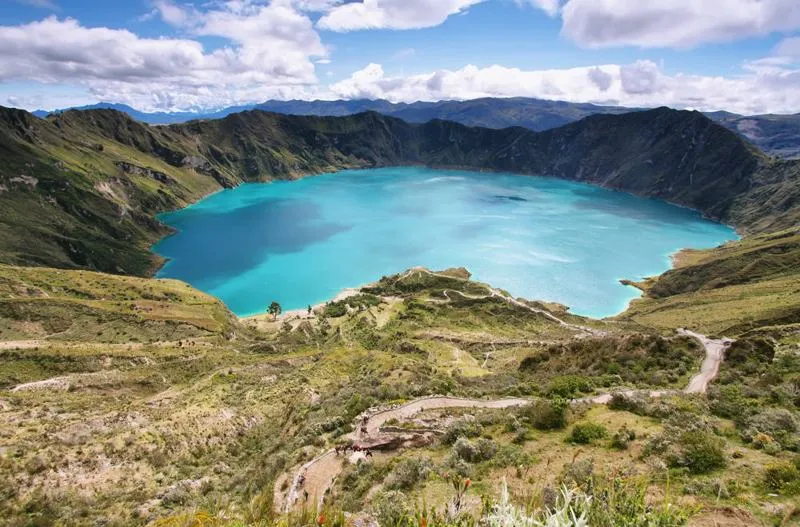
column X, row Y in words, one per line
column 101, row 177
column 775, row 134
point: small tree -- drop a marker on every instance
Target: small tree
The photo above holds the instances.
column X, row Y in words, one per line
column 275, row 310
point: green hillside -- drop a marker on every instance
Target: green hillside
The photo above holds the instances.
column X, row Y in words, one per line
column 126, row 400
column 81, row 189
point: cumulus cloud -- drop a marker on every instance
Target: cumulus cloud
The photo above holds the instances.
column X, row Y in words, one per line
column 674, row 23
column 600, row 78
column 641, row 84
column 392, row 14
column 271, row 53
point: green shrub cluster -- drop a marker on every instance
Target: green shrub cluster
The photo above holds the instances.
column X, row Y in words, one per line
column 463, row 427
column 546, row 414
column 587, row 433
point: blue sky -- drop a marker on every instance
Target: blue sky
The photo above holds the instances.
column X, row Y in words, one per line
column 739, row 55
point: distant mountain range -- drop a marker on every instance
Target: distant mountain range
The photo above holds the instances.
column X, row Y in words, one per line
column 777, row 135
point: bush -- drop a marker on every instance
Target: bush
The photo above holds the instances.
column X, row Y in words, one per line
column 779, row 423
column 546, row 414
column 779, row 475
column 408, row 473
column 634, row 403
column 569, row 386
column 730, row 402
column 766, row 443
column 587, row 433
column 391, row 508
column 464, row 427
column 622, row 438
column 700, row 452
column 481, row 450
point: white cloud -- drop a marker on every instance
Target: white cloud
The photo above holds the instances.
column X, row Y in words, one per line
column 641, row 84
column 172, row 13
column 600, row 78
column 789, row 47
column 674, row 23
column 271, row 53
column 550, row 7
column 392, row 14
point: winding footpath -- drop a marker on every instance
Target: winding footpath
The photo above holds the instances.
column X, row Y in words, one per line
column 496, row 293
column 715, row 354
column 316, row 477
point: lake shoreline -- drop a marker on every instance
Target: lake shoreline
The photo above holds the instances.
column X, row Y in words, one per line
column 565, row 194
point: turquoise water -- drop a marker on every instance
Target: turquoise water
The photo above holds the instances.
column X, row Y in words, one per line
column 302, row 242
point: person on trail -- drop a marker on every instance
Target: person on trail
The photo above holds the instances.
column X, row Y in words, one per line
column 309, row 309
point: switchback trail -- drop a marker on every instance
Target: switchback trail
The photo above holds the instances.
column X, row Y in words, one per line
column 317, row 476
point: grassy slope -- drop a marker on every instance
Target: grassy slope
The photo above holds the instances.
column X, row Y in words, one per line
column 729, row 290
column 174, row 415
column 161, row 426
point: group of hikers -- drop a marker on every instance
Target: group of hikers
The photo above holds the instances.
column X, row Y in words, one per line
column 341, row 450
column 338, row 450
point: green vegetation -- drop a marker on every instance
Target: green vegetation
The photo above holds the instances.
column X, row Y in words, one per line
column 587, row 433
column 739, row 287
column 209, row 419
column 274, row 309
column 81, row 189
column 130, row 401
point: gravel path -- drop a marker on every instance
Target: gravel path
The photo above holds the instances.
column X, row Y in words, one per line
column 319, row 474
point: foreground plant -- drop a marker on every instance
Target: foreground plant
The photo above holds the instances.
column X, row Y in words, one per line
column 570, row 511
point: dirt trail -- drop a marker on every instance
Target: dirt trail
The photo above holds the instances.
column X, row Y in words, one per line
column 715, row 353
column 378, row 418
column 498, row 294
column 319, row 474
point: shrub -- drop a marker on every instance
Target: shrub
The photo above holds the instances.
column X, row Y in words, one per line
column 546, row 414
column 766, row 443
column 699, row 451
column 464, row 427
column 569, row 386
column 779, row 475
column 408, row 473
column 481, row 450
column 622, row 438
column 587, row 433
column 730, row 402
column 634, row 403
column 778, row 423
column 391, row 508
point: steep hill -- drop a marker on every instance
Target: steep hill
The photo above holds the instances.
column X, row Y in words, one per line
column 777, row 135
column 738, row 287
column 536, row 114
column 81, row 189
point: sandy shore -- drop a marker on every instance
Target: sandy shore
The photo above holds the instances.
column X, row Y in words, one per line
column 298, row 314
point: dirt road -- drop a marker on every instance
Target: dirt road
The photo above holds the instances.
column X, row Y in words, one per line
column 715, row 353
